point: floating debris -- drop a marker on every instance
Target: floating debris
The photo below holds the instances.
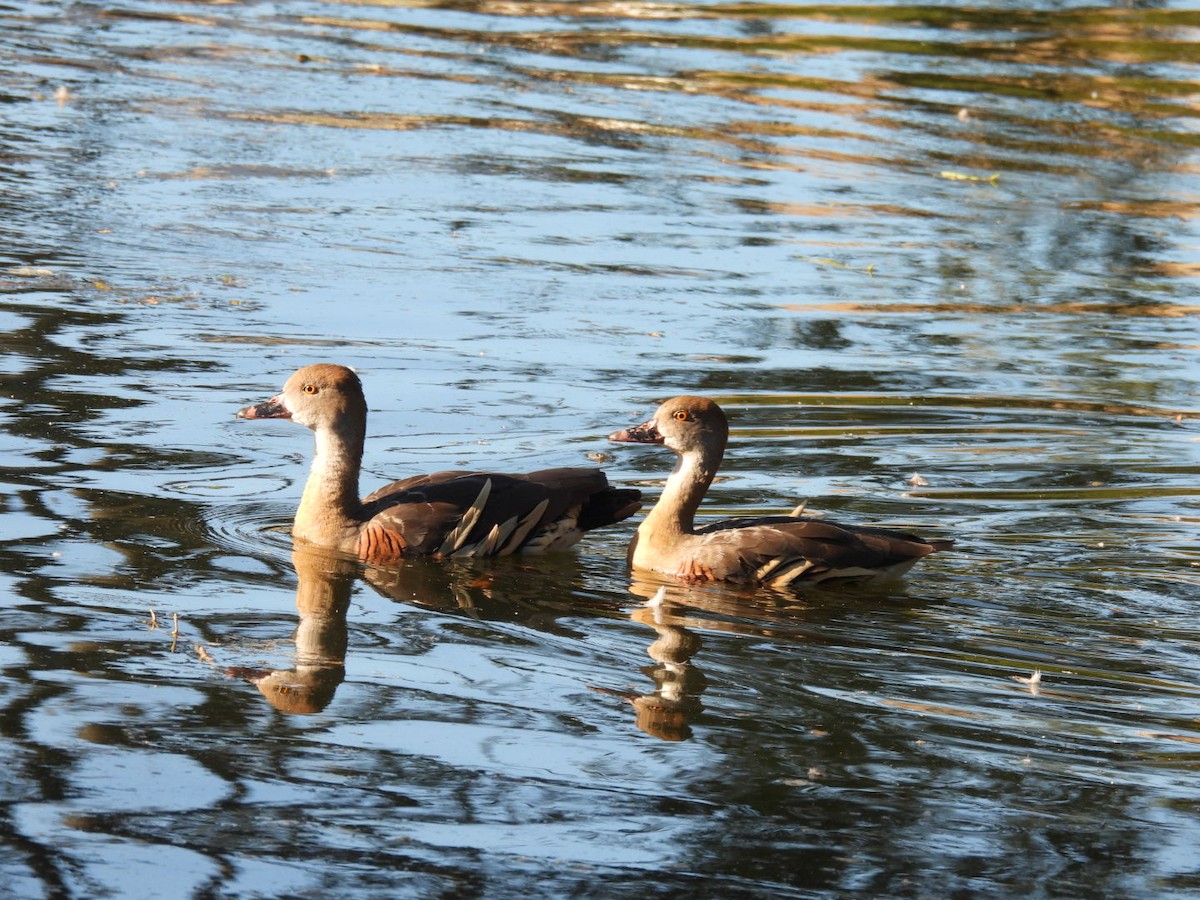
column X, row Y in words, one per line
column 994, row 178
column 1031, row 682
column 837, row 264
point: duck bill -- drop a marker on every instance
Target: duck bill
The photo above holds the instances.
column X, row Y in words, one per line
column 646, row 433
column 269, row 409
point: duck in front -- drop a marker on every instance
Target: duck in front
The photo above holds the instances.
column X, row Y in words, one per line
column 443, row 514
column 764, row 550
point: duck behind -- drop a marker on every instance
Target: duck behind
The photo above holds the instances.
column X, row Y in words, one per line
column 453, row 513
column 774, row 550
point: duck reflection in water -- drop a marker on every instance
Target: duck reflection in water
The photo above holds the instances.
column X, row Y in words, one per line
column 668, row 711
column 506, row 591
column 322, row 601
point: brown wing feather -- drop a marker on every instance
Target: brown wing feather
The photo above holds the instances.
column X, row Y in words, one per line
column 426, row 508
column 784, row 548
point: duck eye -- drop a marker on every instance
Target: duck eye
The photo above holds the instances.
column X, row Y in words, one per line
column 309, row 389
column 680, row 415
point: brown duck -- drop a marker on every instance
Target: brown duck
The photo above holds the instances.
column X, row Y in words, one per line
column 775, row 550
column 443, row 514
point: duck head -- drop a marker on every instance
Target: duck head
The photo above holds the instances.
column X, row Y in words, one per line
column 318, row 396
column 687, row 425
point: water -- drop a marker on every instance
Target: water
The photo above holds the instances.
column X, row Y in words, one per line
column 937, row 262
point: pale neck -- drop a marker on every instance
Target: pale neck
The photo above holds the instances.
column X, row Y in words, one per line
column 330, row 502
column 675, row 511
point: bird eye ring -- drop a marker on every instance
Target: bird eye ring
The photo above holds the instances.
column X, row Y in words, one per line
column 310, row 389
column 680, row 415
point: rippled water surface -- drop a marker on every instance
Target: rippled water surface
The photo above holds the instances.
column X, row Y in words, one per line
column 938, row 263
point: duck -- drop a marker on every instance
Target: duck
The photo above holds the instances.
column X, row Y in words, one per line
column 443, row 514
column 777, row 551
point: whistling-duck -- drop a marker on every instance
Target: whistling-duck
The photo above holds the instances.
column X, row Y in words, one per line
column 443, row 514
column 775, row 550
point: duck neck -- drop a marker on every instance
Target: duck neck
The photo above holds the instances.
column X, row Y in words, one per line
column 330, row 506
column 675, row 512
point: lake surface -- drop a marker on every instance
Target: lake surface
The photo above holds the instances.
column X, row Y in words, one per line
column 938, row 263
